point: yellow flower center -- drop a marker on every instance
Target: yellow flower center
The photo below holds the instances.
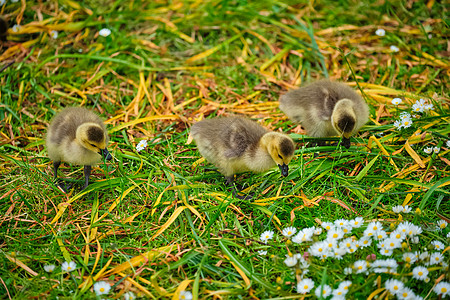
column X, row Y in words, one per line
column 305, row 287
column 443, row 225
column 444, row 290
column 437, row 246
column 405, row 294
column 335, row 235
column 366, row 242
column 406, row 122
column 437, row 258
column 408, row 259
column 375, row 227
column 360, row 268
column 328, row 227
column 339, row 293
column 369, row 234
column 345, row 287
column 395, row 287
column 420, row 273
column 68, row 268
column 398, row 235
column 289, row 232
column 183, row 297
column 356, row 222
column 102, row 290
column 392, row 244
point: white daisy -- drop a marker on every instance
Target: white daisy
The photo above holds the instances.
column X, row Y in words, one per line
column 185, row 295
column 397, row 209
column 365, row 241
column 398, row 124
column 436, row 149
column 104, row 32
column 16, row 28
column 304, row 286
column 394, row 286
column 141, row 146
column 369, row 232
column 407, row 123
column 318, row 231
column 129, row 296
column 420, row 273
column 318, row 249
column 438, row 245
column 49, row 268
column 405, row 116
column 335, row 233
column 356, row 222
column 327, row 225
column 405, row 293
column 442, row 288
column 266, row 235
column 441, row 223
column 262, row 252
column 290, row 261
column 428, row 150
column 380, row 32
column 448, row 143
column 380, row 235
column 429, row 107
column 341, row 222
column 360, row 266
column 375, row 226
column 324, row 290
column 289, row 231
column 409, row 258
column 424, row 255
column 345, row 285
column 396, row 101
column 398, row 235
column 101, row 288
column 419, row 106
column 68, row 266
column 406, row 209
column 436, row 258
column 386, row 251
column 339, row 293
column 348, row 271
column 394, row 48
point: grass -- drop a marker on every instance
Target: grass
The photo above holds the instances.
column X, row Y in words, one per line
column 160, row 221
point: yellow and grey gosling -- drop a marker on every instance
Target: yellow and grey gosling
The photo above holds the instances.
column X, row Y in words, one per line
column 77, row 136
column 236, row 144
column 326, row 108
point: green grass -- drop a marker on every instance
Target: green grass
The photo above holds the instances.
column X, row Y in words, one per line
column 174, row 219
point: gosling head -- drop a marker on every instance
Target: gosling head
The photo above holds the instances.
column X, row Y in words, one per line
column 343, row 120
column 93, row 137
column 281, row 149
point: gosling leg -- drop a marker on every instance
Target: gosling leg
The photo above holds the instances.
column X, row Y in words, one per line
column 87, row 172
column 235, row 189
column 56, row 165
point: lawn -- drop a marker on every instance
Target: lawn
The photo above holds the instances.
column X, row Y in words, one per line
column 161, row 223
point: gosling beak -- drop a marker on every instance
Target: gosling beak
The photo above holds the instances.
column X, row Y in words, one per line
column 105, row 154
column 284, row 169
column 346, row 142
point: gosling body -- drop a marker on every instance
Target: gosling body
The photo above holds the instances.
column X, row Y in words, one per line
column 236, row 144
column 326, row 108
column 77, row 136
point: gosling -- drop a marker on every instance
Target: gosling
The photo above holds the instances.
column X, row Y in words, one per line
column 326, row 108
column 235, row 145
column 77, row 136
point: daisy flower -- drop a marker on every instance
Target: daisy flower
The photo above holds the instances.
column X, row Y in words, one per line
column 327, row 225
column 420, row 273
column 394, row 48
column 335, row 233
column 104, row 32
column 345, row 285
column 398, row 124
column 360, row 266
column 16, row 28
column 438, row 245
column 409, row 258
column 49, row 268
column 339, row 294
column 341, row 222
column 185, row 295
column 394, row 286
column 101, row 288
column 448, row 143
column 304, row 286
column 54, row 34
column 266, row 235
column 262, row 252
column 429, row 107
column 357, row 222
column 419, row 106
column 442, row 288
column 428, row 150
column 406, row 123
column 319, row 249
column 424, row 255
column 369, row 232
column 68, row 266
column 441, row 223
column 141, row 146
column 406, row 209
column 436, row 258
column 397, row 209
column 129, row 296
column 375, row 226
column 290, row 261
column 398, row 235
column 348, row 271
column 405, row 293
column 436, row 149
column 318, row 231
column 380, row 235
column 396, row 101
column 365, row 242
column 289, row 231
column 380, row 32
column 405, row 115
column 386, row 251
column 324, row 290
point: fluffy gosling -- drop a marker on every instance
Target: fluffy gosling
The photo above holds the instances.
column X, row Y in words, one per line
column 326, row 108
column 77, row 136
column 236, row 145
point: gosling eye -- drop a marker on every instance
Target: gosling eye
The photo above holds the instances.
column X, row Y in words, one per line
column 280, row 156
column 93, row 145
